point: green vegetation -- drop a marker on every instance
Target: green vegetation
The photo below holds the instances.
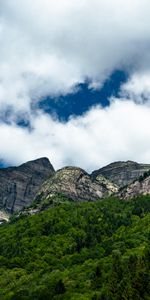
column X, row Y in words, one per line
column 78, row 251
column 144, row 176
column 49, row 202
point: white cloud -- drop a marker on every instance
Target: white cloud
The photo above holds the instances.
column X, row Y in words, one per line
column 119, row 132
column 137, row 87
column 47, row 46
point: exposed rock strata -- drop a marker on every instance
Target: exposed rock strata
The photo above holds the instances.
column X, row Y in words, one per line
column 74, row 183
column 122, row 173
column 4, row 217
column 19, row 185
column 136, row 188
column 110, row 186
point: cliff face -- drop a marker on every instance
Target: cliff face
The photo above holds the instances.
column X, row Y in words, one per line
column 137, row 188
column 19, row 185
column 4, row 217
column 74, row 183
column 111, row 187
column 122, row 173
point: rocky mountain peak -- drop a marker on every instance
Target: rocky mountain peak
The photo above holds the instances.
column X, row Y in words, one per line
column 35, row 165
column 37, row 179
column 74, row 183
column 122, row 173
column 19, row 185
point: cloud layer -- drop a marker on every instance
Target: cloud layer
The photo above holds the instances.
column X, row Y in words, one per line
column 118, row 132
column 49, row 46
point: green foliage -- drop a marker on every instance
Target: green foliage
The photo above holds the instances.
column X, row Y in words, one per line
column 78, row 251
column 45, row 203
column 144, row 176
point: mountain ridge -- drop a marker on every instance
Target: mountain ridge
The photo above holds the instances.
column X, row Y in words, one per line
column 38, row 181
column 122, row 172
column 19, row 185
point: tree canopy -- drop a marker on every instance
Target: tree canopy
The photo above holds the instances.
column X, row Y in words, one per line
column 78, row 251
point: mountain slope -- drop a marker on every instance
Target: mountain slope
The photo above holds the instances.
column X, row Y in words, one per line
column 78, row 251
column 19, row 185
column 75, row 184
column 37, row 181
column 122, row 173
column 138, row 187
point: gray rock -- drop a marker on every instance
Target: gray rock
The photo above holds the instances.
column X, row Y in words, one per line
column 4, row 217
column 137, row 188
column 111, row 187
column 74, row 183
column 19, row 185
column 122, row 173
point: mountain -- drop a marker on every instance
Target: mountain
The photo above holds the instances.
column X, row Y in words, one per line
column 137, row 188
column 122, row 173
column 37, row 182
column 79, row 249
column 75, row 184
column 19, row 185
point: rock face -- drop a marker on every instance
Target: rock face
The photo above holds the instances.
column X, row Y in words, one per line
column 122, row 173
column 19, row 185
column 74, row 183
column 139, row 187
column 111, row 187
column 3, row 217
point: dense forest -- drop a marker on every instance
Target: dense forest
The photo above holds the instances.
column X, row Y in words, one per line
column 78, row 251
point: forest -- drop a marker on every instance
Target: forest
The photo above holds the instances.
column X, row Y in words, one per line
column 78, row 251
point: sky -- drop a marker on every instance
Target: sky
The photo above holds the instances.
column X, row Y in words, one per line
column 74, row 81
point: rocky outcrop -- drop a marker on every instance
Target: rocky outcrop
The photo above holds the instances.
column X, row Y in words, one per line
column 137, row 188
column 75, row 184
column 19, row 185
column 4, row 217
column 109, row 185
column 37, row 180
column 122, row 173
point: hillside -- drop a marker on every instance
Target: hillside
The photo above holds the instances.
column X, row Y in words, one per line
column 67, row 240
column 78, row 251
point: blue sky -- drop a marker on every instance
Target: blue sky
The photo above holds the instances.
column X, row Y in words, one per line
column 74, row 81
column 79, row 102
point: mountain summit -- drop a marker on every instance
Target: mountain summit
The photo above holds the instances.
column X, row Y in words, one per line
column 19, row 185
column 74, row 183
column 122, row 172
column 37, row 181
